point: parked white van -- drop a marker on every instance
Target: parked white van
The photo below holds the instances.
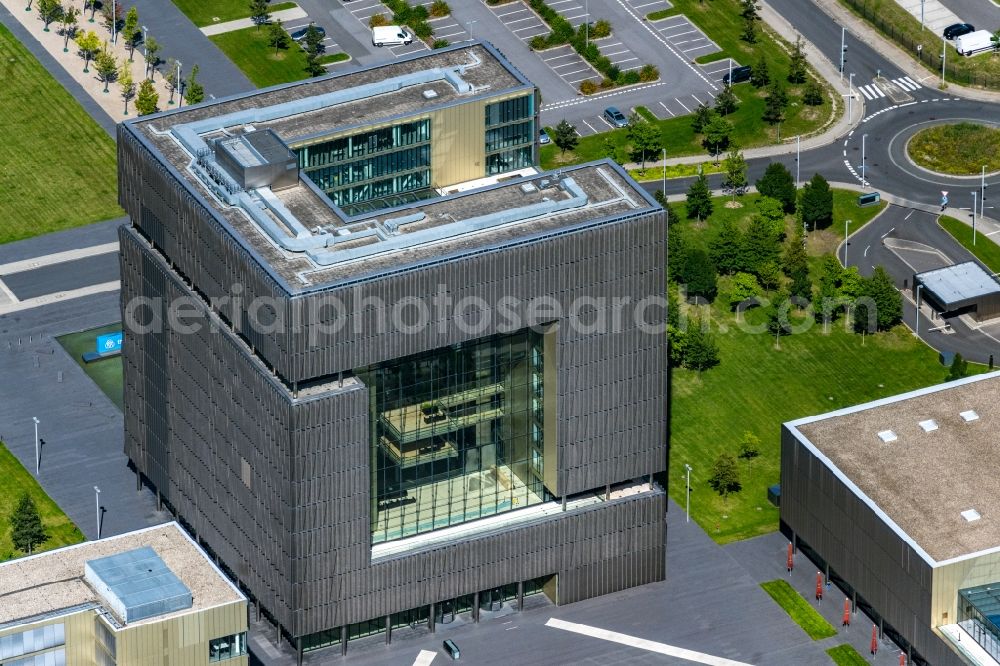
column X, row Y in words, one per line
column 390, row 35
column 974, row 42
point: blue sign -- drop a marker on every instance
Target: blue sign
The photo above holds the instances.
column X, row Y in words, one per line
column 107, row 344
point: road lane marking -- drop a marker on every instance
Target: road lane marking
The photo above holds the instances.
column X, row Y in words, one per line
column 424, row 658
column 56, row 258
column 29, row 303
column 643, row 644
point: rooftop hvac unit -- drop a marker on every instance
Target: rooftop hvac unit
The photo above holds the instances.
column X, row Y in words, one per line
column 429, row 93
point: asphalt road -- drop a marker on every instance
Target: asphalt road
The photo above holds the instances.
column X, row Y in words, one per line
column 64, row 276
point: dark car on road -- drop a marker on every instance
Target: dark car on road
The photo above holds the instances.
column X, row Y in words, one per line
column 300, row 34
column 958, row 29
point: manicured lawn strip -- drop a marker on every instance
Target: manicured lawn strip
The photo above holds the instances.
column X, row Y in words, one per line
column 903, row 28
column 202, row 12
column 961, row 149
column 799, row 609
column 715, row 19
column 846, row 655
column 248, row 48
column 662, row 14
column 646, row 113
column 106, row 373
column 757, row 387
column 653, row 173
column 58, row 166
column 985, row 249
column 15, row 480
column 334, row 57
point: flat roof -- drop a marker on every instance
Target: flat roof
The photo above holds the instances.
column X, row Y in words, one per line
column 54, row 580
column 958, row 284
column 920, row 460
column 306, row 243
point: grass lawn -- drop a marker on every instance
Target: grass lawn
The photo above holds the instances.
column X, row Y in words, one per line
column 985, row 249
column 15, row 480
column 757, row 387
column 248, row 48
column 203, row 12
column 39, row 193
column 799, row 609
column 715, row 19
column 961, row 149
column 846, row 655
column 106, row 373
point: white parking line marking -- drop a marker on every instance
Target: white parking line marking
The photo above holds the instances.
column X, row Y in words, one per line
column 682, row 104
column 672, row 114
column 642, row 643
column 424, row 658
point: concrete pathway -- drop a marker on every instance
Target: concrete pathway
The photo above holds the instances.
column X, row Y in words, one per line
column 239, row 24
column 936, row 16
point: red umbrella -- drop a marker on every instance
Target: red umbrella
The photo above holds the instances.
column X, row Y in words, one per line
column 819, row 586
column 847, row 612
column 874, row 639
column 790, row 563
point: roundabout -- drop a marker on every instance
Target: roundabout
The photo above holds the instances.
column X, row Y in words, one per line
column 956, row 148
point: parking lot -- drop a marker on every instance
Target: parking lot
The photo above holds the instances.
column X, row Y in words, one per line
column 329, row 46
column 363, row 10
column 643, row 7
column 684, row 36
column 718, row 69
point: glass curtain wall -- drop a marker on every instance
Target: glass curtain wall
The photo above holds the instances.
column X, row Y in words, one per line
column 371, row 166
column 456, row 434
column 510, row 135
column 979, row 615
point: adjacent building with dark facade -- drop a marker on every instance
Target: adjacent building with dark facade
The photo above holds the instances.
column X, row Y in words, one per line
column 378, row 392
column 895, row 498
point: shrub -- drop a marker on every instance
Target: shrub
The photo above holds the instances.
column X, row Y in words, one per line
column 588, row 87
column 606, row 83
column 628, row 78
column 648, row 73
column 440, row 43
column 538, row 43
column 613, row 72
column 422, row 30
column 440, row 8
column 377, row 20
column 600, row 29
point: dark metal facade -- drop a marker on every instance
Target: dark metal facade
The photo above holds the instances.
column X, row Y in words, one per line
column 277, row 483
column 860, row 548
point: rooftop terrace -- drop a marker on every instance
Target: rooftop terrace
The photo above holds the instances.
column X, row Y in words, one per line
column 923, row 459
column 55, row 580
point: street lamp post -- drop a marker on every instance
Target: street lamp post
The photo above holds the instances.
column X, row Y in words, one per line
column 664, row 174
column 919, row 287
column 974, row 217
column 982, row 196
column 843, row 46
column 180, row 86
column 798, row 160
column 847, row 223
column 944, row 54
column 114, row 23
column 921, row 14
column 145, row 52
column 864, row 181
column 97, row 504
column 850, row 98
column 687, row 492
column 586, row 24
column 37, row 456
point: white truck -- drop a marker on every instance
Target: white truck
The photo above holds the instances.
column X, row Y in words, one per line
column 974, row 42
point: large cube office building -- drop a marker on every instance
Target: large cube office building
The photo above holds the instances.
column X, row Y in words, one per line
column 897, row 498
column 353, row 467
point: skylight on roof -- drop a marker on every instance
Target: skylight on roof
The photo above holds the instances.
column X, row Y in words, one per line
column 929, row 425
column 971, row 515
column 887, row 436
column 969, row 415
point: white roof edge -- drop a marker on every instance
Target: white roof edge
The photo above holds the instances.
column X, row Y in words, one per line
column 860, row 494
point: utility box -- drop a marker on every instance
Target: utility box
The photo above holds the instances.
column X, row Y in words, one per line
column 869, row 199
column 258, row 159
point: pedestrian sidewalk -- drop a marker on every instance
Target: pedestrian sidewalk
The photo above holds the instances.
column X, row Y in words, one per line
column 936, row 16
column 834, row 130
column 111, row 102
column 240, row 24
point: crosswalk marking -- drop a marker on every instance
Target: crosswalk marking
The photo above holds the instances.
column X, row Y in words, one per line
column 871, row 91
column 906, row 83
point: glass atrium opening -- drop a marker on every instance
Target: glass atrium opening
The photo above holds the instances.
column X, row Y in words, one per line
column 979, row 615
column 456, row 434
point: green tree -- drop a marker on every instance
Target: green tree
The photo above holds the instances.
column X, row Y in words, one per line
column 769, row 274
column 750, row 9
column 699, row 199
column 702, row 116
column 777, row 315
column 701, row 351
column 645, row 137
column 796, row 259
column 817, row 203
column 726, row 248
column 777, row 183
column 771, row 210
column 996, row 42
column 699, row 275
column 677, row 250
column 761, row 244
column 259, row 13
column 676, row 344
column 775, row 104
column 725, row 101
column 959, row 368
column 131, row 32
column 112, row 15
column 276, row 36
column 797, row 66
column 749, row 449
column 68, row 21
column 126, row 84
column 313, row 66
column 736, row 171
column 852, row 285
column 749, row 34
column 26, row 529
column 170, row 79
column 725, row 478
column 888, row 302
column 152, row 55
column 89, row 44
column 107, row 68
column 194, row 92
column 813, row 94
column 744, row 286
column 313, row 40
column 147, row 99
column 717, row 133
column 760, row 75
column 565, row 137
column 49, row 11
